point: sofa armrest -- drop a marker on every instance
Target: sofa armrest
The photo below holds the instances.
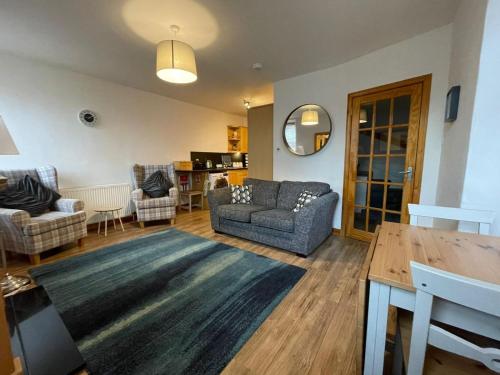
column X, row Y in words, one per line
column 68, row 205
column 137, row 195
column 174, row 193
column 16, row 218
column 216, row 198
column 314, row 222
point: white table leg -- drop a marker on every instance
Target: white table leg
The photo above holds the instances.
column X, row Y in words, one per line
column 121, row 224
column 99, row 225
column 113, row 216
column 106, row 225
column 378, row 310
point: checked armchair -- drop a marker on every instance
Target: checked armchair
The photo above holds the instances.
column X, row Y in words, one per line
column 65, row 223
column 147, row 208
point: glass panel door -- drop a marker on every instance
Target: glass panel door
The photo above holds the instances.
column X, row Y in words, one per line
column 383, row 151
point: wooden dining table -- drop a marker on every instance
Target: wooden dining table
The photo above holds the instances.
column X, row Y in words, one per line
column 390, row 282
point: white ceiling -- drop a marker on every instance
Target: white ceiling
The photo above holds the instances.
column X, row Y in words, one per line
column 115, row 39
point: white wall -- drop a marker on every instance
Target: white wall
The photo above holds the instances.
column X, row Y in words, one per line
column 464, row 67
column 482, row 175
column 40, row 103
column 423, row 54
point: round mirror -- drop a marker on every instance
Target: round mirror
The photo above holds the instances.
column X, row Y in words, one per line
column 307, row 129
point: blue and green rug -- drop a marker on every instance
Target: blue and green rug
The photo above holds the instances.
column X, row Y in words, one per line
column 167, row 303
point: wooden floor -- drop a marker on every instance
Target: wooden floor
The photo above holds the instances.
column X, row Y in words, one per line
column 312, row 331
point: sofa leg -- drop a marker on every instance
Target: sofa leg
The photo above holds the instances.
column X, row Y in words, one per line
column 141, row 224
column 301, row 255
column 172, row 221
column 34, row 259
column 80, row 242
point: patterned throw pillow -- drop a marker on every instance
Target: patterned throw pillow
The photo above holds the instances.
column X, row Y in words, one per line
column 304, row 199
column 157, row 185
column 241, row 194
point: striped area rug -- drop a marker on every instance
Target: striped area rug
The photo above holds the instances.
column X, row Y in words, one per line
column 166, row 303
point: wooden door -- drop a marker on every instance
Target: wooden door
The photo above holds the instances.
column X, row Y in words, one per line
column 384, row 154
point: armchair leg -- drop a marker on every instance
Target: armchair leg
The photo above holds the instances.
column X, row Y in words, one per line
column 80, row 242
column 172, row 221
column 141, row 224
column 34, row 259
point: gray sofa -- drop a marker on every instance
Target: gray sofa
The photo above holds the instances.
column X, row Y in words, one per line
column 270, row 219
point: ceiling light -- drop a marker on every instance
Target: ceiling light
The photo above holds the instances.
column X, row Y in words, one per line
column 246, row 103
column 363, row 116
column 175, row 61
column 309, row 117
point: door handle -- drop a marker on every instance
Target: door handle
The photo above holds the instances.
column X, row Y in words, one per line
column 408, row 172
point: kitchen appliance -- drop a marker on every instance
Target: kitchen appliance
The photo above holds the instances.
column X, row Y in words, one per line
column 218, row 180
column 197, row 165
column 226, row 161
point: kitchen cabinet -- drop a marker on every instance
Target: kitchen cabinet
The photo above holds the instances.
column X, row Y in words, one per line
column 236, row 177
column 237, row 139
column 244, row 139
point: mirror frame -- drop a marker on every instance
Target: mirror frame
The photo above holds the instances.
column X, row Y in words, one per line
column 288, row 117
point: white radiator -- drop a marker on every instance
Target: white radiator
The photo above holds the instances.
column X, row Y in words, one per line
column 102, row 196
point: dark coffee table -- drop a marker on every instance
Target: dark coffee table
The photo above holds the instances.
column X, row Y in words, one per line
column 39, row 336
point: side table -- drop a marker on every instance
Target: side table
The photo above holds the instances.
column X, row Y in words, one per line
column 103, row 214
column 189, row 194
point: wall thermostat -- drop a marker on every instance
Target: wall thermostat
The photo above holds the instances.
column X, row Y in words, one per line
column 87, row 117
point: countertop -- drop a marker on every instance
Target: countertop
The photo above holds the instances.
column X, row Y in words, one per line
column 213, row 170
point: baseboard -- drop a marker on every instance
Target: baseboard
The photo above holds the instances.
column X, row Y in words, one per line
column 336, row 232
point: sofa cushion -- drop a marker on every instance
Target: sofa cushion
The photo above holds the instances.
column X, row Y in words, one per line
column 157, row 185
column 51, row 221
column 264, row 193
column 241, row 194
column 290, row 190
column 277, row 218
column 19, row 199
column 304, row 199
column 155, row 203
column 238, row 212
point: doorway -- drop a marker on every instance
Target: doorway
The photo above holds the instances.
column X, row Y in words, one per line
column 384, row 154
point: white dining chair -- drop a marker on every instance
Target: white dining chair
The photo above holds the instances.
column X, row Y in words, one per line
column 433, row 283
column 483, row 218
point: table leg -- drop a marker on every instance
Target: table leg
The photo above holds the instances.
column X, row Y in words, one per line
column 113, row 216
column 106, row 225
column 4, row 259
column 190, row 203
column 121, row 224
column 99, row 225
column 378, row 310
column 2, row 249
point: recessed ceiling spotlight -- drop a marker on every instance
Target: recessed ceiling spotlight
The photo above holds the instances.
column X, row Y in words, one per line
column 246, row 103
column 257, row 66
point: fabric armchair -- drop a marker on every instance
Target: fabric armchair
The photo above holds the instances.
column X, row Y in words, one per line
column 147, row 208
column 68, row 205
column 65, row 223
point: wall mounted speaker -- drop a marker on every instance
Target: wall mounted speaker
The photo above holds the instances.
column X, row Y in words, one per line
column 452, row 100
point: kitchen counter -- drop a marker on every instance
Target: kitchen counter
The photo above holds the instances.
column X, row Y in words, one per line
column 212, row 170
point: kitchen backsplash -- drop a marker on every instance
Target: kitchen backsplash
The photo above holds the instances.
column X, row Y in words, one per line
column 216, row 157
